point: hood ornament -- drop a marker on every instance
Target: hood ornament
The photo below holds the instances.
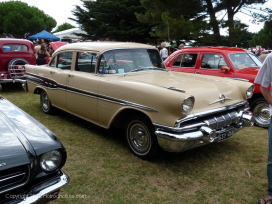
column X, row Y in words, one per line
column 221, row 99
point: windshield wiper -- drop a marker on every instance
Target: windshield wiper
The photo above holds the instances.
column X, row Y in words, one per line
column 136, row 70
column 156, row 68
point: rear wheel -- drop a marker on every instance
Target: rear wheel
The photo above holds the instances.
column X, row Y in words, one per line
column 140, row 136
column 46, row 103
column 260, row 109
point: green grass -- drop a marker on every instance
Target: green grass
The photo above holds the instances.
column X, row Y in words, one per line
column 102, row 169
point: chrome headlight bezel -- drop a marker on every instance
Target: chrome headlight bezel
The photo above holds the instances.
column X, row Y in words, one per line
column 50, row 161
column 249, row 91
column 187, row 105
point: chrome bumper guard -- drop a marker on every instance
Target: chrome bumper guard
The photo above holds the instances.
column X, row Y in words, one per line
column 201, row 133
column 46, row 191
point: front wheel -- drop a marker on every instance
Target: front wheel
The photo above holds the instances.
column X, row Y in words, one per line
column 46, row 103
column 141, row 139
column 260, row 109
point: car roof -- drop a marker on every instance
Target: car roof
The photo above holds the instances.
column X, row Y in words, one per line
column 102, row 46
column 215, row 49
column 14, row 40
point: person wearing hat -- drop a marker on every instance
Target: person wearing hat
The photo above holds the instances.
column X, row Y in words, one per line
column 181, row 46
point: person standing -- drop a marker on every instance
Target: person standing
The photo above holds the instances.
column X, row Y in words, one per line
column 263, row 56
column 42, row 55
column 37, row 48
column 264, row 78
column 163, row 51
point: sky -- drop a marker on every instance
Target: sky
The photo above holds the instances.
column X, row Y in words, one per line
column 61, row 10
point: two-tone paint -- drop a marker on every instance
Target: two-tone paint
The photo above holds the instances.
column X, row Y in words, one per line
column 109, row 99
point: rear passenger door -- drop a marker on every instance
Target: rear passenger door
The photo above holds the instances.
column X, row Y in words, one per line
column 185, row 62
column 55, row 77
column 82, row 84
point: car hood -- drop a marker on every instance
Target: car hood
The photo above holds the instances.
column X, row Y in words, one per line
column 21, row 136
column 185, row 84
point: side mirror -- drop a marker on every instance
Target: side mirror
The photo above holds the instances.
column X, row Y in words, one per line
column 224, row 68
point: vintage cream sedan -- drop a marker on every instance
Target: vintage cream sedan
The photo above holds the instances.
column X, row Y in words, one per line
column 114, row 84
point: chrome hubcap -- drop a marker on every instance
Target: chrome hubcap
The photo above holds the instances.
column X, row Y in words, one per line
column 261, row 114
column 139, row 138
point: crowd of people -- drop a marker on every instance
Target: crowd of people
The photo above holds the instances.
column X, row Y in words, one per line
column 166, row 51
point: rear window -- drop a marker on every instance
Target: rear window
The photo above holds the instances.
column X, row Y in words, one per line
column 14, row 47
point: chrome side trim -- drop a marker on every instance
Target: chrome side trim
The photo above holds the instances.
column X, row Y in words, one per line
column 239, row 79
column 174, row 88
column 54, row 85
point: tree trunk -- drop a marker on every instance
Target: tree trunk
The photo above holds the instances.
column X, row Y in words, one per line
column 214, row 23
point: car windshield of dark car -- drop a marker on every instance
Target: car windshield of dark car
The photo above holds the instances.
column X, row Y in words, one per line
column 244, row 60
column 129, row 60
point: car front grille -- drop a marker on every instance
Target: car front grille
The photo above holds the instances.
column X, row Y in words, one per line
column 13, row 178
column 215, row 119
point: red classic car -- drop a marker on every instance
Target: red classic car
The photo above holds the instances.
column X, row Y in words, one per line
column 54, row 47
column 227, row 62
column 13, row 54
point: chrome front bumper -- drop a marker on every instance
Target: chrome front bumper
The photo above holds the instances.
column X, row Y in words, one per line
column 44, row 192
column 182, row 139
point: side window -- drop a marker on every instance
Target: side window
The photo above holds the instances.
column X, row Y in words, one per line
column 65, row 60
column 53, row 62
column 15, row 47
column 185, row 60
column 85, row 62
column 212, row 61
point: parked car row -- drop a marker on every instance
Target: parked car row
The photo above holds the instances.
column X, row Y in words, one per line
column 122, row 85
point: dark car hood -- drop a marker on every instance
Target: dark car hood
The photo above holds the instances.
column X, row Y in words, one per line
column 12, row 152
column 21, row 136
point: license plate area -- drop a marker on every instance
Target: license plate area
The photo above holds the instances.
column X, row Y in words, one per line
column 225, row 134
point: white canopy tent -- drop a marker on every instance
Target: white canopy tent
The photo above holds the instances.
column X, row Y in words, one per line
column 69, row 35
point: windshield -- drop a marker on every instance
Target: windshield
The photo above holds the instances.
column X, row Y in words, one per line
column 129, row 60
column 245, row 60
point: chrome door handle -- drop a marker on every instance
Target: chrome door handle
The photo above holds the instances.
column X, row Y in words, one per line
column 70, row 75
column 196, row 72
column 52, row 72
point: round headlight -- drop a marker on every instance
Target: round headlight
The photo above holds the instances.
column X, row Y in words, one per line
column 249, row 91
column 50, row 160
column 187, row 105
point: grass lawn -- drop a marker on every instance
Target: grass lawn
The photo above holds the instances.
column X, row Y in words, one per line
column 102, row 169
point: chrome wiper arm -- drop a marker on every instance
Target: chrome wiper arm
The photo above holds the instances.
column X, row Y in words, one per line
column 136, row 70
column 156, row 68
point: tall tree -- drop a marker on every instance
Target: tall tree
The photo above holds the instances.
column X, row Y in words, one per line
column 63, row 26
column 264, row 36
column 203, row 16
column 230, row 8
column 17, row 18
column 111, row 20
column 172, row 20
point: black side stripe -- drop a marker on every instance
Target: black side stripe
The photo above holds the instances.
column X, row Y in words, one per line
column 52, row 84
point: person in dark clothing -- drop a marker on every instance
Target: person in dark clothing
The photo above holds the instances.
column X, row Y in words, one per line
column 42, row 55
